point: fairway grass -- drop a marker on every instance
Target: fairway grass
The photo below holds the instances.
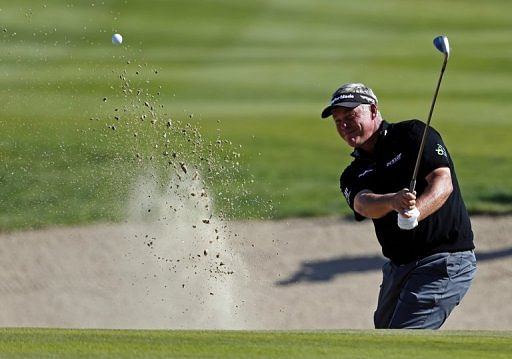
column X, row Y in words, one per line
column 61, row 343
column 254, row 73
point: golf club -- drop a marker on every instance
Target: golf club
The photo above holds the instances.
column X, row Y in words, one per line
column 441, row 43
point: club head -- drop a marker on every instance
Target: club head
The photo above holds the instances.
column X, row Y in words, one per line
column 441, row 43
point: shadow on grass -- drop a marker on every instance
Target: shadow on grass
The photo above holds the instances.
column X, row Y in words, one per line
column 325, row 270
column 495, row 205
column 499, row 198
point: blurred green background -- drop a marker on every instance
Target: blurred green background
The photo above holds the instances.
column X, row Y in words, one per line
column 80, row 118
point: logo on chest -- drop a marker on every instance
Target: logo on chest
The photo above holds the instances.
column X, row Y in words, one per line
column 394, row 160
column 365, row 172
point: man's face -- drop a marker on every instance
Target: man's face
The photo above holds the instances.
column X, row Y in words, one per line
column 355, row 125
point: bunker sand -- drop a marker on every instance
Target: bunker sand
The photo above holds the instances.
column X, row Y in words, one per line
column 319, row 273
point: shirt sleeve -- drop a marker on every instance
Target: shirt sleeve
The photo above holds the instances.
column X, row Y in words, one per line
column 435, row 154
column 350, row 185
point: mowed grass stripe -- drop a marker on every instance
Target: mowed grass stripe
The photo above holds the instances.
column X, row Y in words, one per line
column 61, row 343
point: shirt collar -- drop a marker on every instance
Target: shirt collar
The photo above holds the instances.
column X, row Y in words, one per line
column 382, row 133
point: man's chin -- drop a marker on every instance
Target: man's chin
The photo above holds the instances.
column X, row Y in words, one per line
column 352, row 142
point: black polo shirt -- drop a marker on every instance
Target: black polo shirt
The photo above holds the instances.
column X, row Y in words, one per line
column 389, row 169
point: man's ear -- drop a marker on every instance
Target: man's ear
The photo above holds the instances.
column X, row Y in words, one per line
column 374, row 110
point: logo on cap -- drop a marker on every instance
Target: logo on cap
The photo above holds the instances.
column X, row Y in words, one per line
column 341, row 97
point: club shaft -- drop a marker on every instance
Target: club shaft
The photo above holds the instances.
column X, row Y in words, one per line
column 412, row 185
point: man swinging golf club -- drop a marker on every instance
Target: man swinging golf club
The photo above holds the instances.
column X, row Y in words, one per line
column 421, row 223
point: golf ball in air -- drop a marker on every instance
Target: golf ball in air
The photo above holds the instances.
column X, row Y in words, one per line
column 117, row 39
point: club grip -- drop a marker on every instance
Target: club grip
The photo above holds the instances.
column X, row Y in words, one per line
column 412, row 185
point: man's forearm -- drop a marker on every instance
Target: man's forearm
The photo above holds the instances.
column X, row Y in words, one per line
column 372, row 205
column 436, row 193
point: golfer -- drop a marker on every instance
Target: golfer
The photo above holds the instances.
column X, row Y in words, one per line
column 431, row 260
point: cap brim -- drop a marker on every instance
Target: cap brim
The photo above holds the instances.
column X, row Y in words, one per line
column 328, row 110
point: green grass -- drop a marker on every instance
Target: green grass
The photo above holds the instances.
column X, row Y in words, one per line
column 60, row 343
column 256, row 74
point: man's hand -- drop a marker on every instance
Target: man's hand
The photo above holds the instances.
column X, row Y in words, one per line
column 404, row 200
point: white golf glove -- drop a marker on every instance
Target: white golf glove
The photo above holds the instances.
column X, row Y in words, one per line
column 408, row 223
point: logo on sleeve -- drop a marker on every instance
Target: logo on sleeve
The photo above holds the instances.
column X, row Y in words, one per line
column 346, row 193
column 441, row 150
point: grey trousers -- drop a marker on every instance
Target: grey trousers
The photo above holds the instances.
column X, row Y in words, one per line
column 422, row 294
